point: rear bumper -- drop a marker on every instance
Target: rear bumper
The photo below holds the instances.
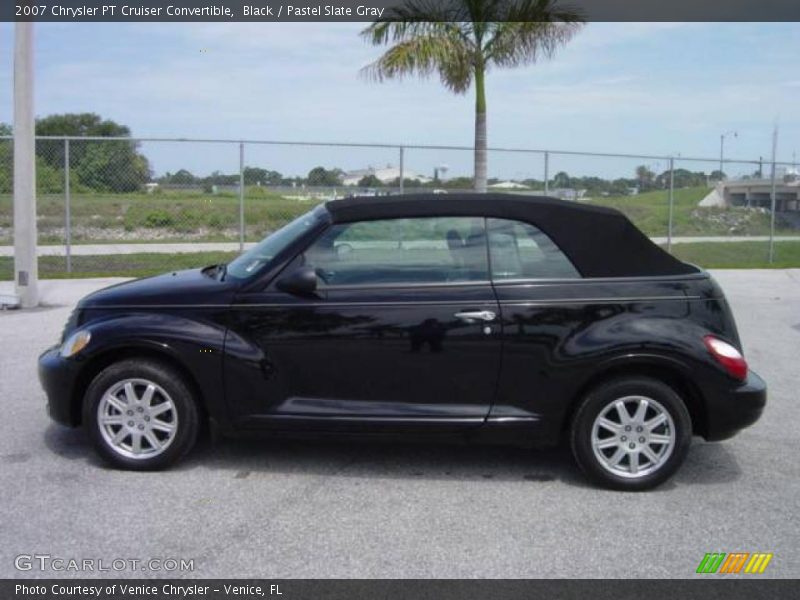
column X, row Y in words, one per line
column 732, row 410
column 58, row 376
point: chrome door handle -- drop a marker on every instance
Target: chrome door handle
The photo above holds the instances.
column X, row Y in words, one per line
column 476, row 315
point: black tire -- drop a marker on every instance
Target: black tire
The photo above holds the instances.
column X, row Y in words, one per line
column 597, row 401
column 173, row 383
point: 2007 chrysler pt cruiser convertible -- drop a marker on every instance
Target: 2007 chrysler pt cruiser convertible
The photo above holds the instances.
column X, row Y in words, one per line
column 489, row 317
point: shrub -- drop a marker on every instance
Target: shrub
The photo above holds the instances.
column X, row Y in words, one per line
column 159, row 218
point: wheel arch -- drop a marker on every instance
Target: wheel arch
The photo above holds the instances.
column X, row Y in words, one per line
column 115, row 354
column 667, row 371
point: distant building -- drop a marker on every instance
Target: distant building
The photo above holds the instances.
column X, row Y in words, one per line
column 508, row 185
column 387, row 174
column 755, row 193
column 560, row 193
column 567, row 193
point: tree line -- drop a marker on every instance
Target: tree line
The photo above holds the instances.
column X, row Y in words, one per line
column 119, row 166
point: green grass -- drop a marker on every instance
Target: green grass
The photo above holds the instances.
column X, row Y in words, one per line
column 171, row 216
column 711, row 255
column 650, row 213
column 175, row 216
column 118, row 265
column 739, row 255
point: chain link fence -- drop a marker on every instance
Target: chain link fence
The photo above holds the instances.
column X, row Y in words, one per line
column 112, row 206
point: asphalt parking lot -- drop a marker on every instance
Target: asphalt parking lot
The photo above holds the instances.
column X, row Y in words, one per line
column 300, row 509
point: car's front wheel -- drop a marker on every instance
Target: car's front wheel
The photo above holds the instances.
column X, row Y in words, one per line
column 631, row 433
column 141, row 414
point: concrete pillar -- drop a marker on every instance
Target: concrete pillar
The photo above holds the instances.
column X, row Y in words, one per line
column 26, row 271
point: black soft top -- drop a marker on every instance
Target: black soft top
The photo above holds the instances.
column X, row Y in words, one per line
column 600, row 241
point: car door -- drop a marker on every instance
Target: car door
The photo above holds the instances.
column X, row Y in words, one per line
column 541, row 307
column 402, row 332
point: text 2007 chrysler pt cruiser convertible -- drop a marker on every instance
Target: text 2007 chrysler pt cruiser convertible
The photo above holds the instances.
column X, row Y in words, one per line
column 492, row 318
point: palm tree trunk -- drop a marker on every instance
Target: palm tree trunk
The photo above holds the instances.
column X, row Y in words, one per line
column 480, row 131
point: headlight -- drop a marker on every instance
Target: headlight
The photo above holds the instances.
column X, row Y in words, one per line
column 75, row 343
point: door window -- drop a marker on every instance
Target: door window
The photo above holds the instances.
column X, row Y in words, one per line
column 521, row 251
column 401, row 251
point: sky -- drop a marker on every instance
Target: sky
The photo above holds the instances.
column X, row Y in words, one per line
column 649, row 88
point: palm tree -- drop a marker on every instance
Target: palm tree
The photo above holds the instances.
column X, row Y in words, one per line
column 461, row 39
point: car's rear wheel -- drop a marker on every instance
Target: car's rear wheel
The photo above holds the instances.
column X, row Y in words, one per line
column 631, row 433
column 141, row 414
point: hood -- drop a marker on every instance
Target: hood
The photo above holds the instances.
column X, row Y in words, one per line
column 190, row 287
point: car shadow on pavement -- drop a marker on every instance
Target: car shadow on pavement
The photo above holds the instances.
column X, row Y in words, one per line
column 389, row 460
column 72, row 444
column 705, row 464
column 255, row 458
column 709, row 463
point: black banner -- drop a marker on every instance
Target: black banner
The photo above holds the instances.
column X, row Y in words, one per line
column 370, row 10
column 395, row 589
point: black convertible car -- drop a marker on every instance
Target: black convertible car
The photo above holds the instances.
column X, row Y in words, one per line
column 493, row 318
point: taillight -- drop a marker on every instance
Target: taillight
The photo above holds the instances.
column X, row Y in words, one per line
column 728, row 356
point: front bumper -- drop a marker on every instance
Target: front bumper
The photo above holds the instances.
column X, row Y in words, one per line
column 732, row 410
column 58, row 377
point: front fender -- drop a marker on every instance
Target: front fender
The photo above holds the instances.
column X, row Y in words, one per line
column 195, row 344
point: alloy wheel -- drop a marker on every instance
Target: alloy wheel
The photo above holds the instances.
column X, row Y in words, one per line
column 633, row 436
column 137, row 418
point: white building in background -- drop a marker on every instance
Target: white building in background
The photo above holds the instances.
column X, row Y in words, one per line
column 567, row 194
column 508, row 185
column 387, row 174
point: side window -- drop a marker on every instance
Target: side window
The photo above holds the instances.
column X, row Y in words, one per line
column 521, row 251
column 401, row 251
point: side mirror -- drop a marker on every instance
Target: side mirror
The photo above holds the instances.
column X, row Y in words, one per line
column 301, row 282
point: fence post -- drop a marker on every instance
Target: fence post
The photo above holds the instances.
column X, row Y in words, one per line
column 67, row 216
column 402, row 171
column 772, row 198
column 671, row 202
column 241, row 196
column 546, row 172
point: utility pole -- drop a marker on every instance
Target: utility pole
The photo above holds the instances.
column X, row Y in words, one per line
column 26, row 271
column 722, row 150
column 771, row 256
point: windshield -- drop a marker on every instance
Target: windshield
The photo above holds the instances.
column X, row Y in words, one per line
column 259, row 255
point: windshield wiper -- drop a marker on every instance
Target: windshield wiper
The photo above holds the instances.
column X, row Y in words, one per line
column 222, row 270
